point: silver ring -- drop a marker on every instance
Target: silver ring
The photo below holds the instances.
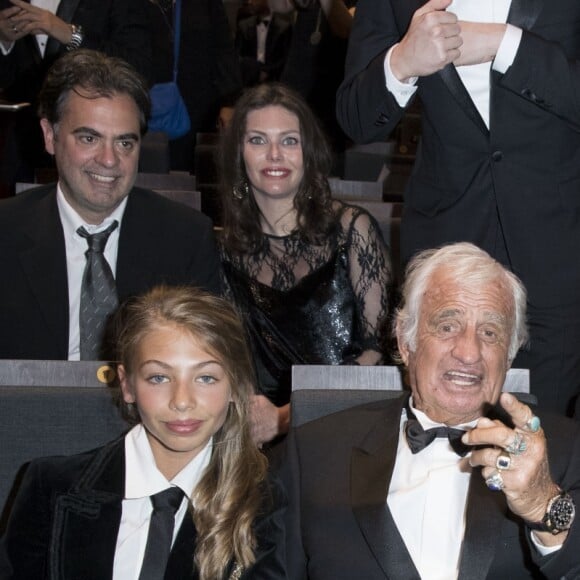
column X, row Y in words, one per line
column 495, row 482
column 518, row 445
column 533, row 424
column 14, row 29
column 503, row 461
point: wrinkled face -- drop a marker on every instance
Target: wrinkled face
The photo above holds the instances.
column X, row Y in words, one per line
column 461, row 355
column 272, row 152
column 182, row 393
column 96, row 147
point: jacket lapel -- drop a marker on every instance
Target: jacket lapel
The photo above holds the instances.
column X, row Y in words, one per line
column 372, row 467
column 484, row 517
column 524, row 13
column 44, row 264
column 87, row 519
column 453, row 83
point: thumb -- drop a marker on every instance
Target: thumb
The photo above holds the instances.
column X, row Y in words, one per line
column 433, row 5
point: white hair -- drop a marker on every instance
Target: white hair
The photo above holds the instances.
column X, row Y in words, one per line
column 467, row 264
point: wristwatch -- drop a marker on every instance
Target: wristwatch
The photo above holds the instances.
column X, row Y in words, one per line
column 558, row 517
column 77, row 37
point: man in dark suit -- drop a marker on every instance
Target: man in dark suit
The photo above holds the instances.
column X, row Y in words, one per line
column 499, row 159
column 94, row 110
column 388, row 490
column 262, row 42
column 32, row 38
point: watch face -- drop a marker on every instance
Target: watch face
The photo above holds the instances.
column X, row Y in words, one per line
column 562, row 512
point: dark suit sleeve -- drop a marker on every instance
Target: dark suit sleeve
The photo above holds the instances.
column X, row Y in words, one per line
column 565, row 468
column 365, row 109
column 270, row 553
column 25, row 544
column 288, row 468
column 205, row 267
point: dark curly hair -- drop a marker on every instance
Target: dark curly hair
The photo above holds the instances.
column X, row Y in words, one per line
column 315, row 216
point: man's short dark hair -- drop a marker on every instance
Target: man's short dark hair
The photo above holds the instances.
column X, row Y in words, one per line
column 96, row 75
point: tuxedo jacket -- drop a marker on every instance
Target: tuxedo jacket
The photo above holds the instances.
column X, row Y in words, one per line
column 160, row 242
column 277, row 45
column 66, row 518
column 337, row 471
column 523, row 172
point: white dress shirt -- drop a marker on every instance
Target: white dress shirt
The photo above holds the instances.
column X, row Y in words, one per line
column 261, row 36
column 142, row 480
column 75, row 247
column 474, row 77
column 427, row 498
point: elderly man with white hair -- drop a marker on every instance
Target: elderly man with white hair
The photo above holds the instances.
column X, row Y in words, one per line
column 455, row 480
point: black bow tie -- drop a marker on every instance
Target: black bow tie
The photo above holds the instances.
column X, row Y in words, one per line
column 418, row 438
column 264, row 21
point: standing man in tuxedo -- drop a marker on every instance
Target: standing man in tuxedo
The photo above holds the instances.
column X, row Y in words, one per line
column 34, row 34
column 262, row 42
column 94, row 111
column 499, row 159
column 455, row 481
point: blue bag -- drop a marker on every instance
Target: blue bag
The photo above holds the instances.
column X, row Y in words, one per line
column 168, row 111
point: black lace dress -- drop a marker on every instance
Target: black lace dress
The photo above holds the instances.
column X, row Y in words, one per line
column 306, row 304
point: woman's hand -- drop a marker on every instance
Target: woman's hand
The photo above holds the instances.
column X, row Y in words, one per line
column 267, row 420
column 34, row 20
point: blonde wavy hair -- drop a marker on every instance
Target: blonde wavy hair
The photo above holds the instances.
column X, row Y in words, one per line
column 231, row 492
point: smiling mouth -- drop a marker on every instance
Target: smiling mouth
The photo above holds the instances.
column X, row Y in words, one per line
column 276, row 172
column 106, row 179
column 463, row 379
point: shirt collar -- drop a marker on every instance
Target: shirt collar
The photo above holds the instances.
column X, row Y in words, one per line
column 71, row 220
column 143, row 479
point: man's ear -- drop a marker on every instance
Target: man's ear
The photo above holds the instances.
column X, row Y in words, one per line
column 402, row 344
column 126, row 389
column 49, row 136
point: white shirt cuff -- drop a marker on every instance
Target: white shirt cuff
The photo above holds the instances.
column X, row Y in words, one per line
column 506, row 53
column 543, row 550
column 401, row 91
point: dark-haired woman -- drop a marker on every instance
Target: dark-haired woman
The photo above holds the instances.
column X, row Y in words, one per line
column 310, row 274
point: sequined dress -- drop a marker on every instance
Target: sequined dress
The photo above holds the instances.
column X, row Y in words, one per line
column 306, row 304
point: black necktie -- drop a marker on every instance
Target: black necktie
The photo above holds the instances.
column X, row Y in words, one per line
column 98, row 294
column 418, row 438
column 158, row 547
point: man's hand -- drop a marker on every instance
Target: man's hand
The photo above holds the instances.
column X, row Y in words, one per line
column 431, row 42
column 267, row 420
column 528, row 485
column 481, row 41
column 9, row 30
column 34, row 20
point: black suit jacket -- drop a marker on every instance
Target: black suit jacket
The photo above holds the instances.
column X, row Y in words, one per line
column 160, row 242
column 66, row 518
column 337, row 471
column 277, row 45
column 525, row 169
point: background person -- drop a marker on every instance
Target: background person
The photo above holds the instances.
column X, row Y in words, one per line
column 33, row 35
column 310, row 274
column 186, row 379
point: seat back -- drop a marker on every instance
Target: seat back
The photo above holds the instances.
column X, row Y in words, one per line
column 36, row 421
column 319, row 390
